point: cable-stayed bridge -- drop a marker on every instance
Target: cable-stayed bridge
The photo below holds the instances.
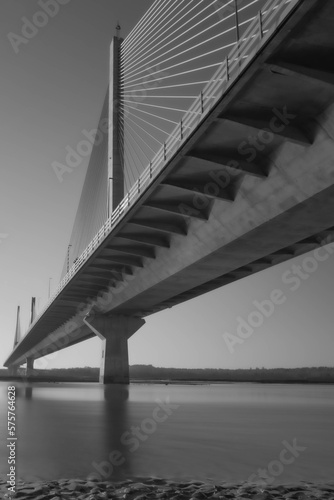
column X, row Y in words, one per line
column 213, row 159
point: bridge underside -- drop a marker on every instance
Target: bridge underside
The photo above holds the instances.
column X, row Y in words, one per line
column 253, row 187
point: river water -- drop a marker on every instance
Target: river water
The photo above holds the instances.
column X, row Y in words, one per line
column 218, row 432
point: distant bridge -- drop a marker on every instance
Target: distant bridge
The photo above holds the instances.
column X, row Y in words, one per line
column 182, row 200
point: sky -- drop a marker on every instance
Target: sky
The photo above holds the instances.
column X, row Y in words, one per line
column 52, row 89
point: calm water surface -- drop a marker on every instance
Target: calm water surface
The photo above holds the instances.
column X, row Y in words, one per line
column 222, row 432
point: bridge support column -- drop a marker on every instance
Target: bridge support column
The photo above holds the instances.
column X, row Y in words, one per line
column 30, row 367
column 13, row 371
column 114, row 332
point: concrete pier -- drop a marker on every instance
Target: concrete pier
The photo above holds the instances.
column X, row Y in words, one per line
column 30, row 367
column 114, row 332
column 13, row 371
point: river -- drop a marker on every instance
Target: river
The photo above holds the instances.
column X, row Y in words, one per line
column 217, row 432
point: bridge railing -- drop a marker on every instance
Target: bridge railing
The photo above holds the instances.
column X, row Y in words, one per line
column 258, row 33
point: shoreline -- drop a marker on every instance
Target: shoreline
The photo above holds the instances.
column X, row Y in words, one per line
column 154, row 488
column 167, row 381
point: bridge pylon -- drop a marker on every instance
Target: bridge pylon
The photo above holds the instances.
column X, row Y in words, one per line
column 13, row 370
column 33, row 310
column 114, row 331
column 30, row 359
column 115, row 158
column 17, row 336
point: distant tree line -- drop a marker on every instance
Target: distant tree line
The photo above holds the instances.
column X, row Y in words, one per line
column 86, row 374
column 316, row 374
column 148, row 372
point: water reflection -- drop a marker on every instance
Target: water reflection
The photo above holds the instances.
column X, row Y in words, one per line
column 118, row 458
column 28, row 392
column 24, row 391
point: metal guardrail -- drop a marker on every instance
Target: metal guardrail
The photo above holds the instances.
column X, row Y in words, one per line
column 258, row 32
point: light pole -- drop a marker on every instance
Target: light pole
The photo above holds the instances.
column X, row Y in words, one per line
column 68, row 257
column 108, row 200
column 118, row 30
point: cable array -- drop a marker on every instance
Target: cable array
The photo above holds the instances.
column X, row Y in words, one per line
column 166, row 61
column 92, row 209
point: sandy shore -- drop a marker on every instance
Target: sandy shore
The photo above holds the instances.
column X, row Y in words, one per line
column 160, row 489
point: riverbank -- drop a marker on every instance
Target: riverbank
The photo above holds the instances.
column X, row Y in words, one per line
column 146, row 489
column 48, row 380
column 158, row 375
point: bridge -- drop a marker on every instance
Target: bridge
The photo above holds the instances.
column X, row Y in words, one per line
column 213, row 159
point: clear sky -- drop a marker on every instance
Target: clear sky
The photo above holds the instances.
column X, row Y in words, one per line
column 50, row 91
